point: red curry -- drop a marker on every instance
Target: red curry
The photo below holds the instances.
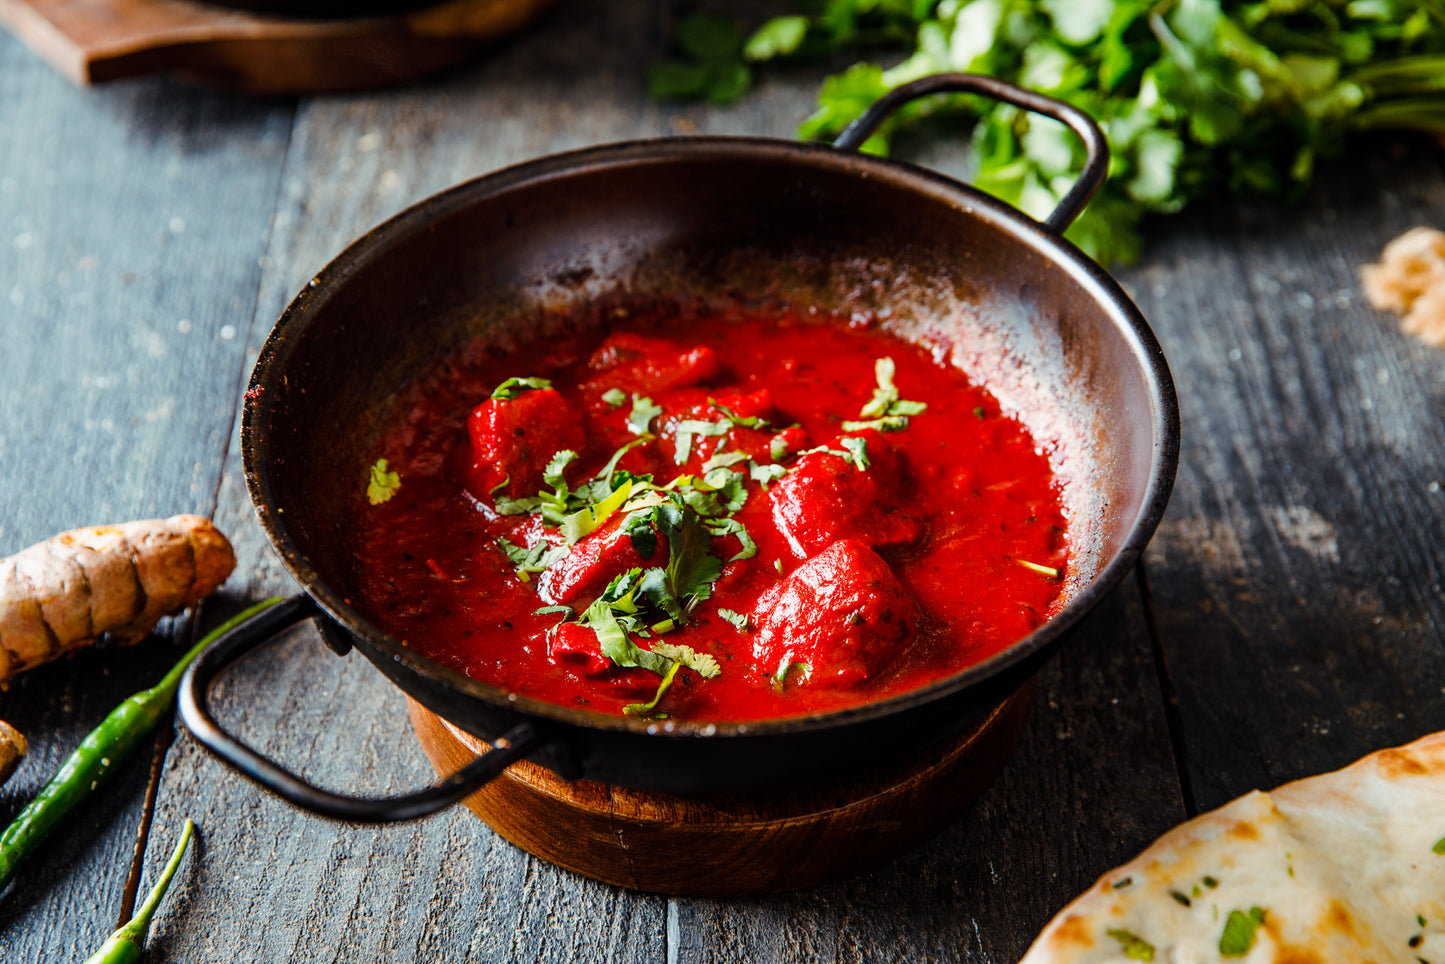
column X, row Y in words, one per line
column 710, row 515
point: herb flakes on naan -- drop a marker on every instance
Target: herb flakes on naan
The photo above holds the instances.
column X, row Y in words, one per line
column 1344, row 867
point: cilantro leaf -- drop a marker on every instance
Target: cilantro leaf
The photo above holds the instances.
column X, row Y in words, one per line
column 639, row 420
column 552, row 474
column 778, row 37
column 732, row 527
column 614, row 643
column 691, row 567
column 703, row 664
column 886, row 393
column 857, row 452
column 506, row 506
column 888, row 423
column 639, row 529
column 650, row 707
column 382, row 484
column 689, row 427
column 736, row 618
column 746, row 421
column 586, row 519
column 886, row 411
column 791, row 667
column 531, row 560
column 721, row 460
column 765, row 474
column 513, row 387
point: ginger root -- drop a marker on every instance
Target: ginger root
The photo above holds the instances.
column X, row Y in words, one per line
column 65, row 592
column 12, row 750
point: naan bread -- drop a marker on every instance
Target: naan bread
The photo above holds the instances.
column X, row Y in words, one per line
column 1343, row 868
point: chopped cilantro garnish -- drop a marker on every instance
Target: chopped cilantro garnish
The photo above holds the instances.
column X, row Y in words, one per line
column 506, row 506
column 614, row 397
column 586, row 519
column 734, row 491
column 736, row 618
column 1135, row 948
column 689, row 427
column 612, row 639
column 857, row 452
column 1123, row 882
column 1239, row 931
column 1439, row 847
column 788, row 667
column 1180, row 898
column 382, row 484
column 746, row 421
column 700, row 663
column 765, row 474
column 536, row 559
column 721, row 460
column 732, row 527
column 1420, row 918
column 1211, row 883
column 886, row 411
column 650, row 707
column 703, row 664
column 886, row 393
column 1049, row 571
column 843, row 454
column 691, row 568
column 552, row 474
column 639, row 422
column 888, row 423
column 513, row 387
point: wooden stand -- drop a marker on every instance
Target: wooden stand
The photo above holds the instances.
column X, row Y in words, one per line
column 93, row 41
column 725, row 845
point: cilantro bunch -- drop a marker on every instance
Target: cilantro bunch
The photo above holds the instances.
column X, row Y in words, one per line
column 1195, row 96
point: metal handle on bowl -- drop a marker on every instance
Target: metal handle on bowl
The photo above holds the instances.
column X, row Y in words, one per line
column 195, row 687
column 1096, row 147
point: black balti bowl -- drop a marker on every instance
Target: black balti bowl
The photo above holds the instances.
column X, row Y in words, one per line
column 999, row 295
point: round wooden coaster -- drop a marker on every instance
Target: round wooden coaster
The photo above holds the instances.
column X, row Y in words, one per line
column 725, row 845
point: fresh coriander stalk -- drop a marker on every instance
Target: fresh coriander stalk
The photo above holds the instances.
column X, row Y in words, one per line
column 1195, row 96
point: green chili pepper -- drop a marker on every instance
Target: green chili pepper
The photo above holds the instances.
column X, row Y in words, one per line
column 125, row 945
column 107, row 746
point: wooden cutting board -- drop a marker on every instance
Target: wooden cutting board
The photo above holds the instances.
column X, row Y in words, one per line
column 728, row 845
column 93, row 41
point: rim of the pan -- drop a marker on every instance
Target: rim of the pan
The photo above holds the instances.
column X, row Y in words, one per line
column 1092, row 279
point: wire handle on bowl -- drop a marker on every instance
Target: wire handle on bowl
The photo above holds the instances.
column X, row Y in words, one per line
column 195, row 687
column 1096, row 146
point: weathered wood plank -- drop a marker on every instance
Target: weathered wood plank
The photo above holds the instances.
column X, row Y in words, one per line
column 1298, row 572
column 126, row 280
column 1093, row 782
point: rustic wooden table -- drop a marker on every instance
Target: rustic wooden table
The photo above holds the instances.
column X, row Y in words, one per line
column 1287, row 619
